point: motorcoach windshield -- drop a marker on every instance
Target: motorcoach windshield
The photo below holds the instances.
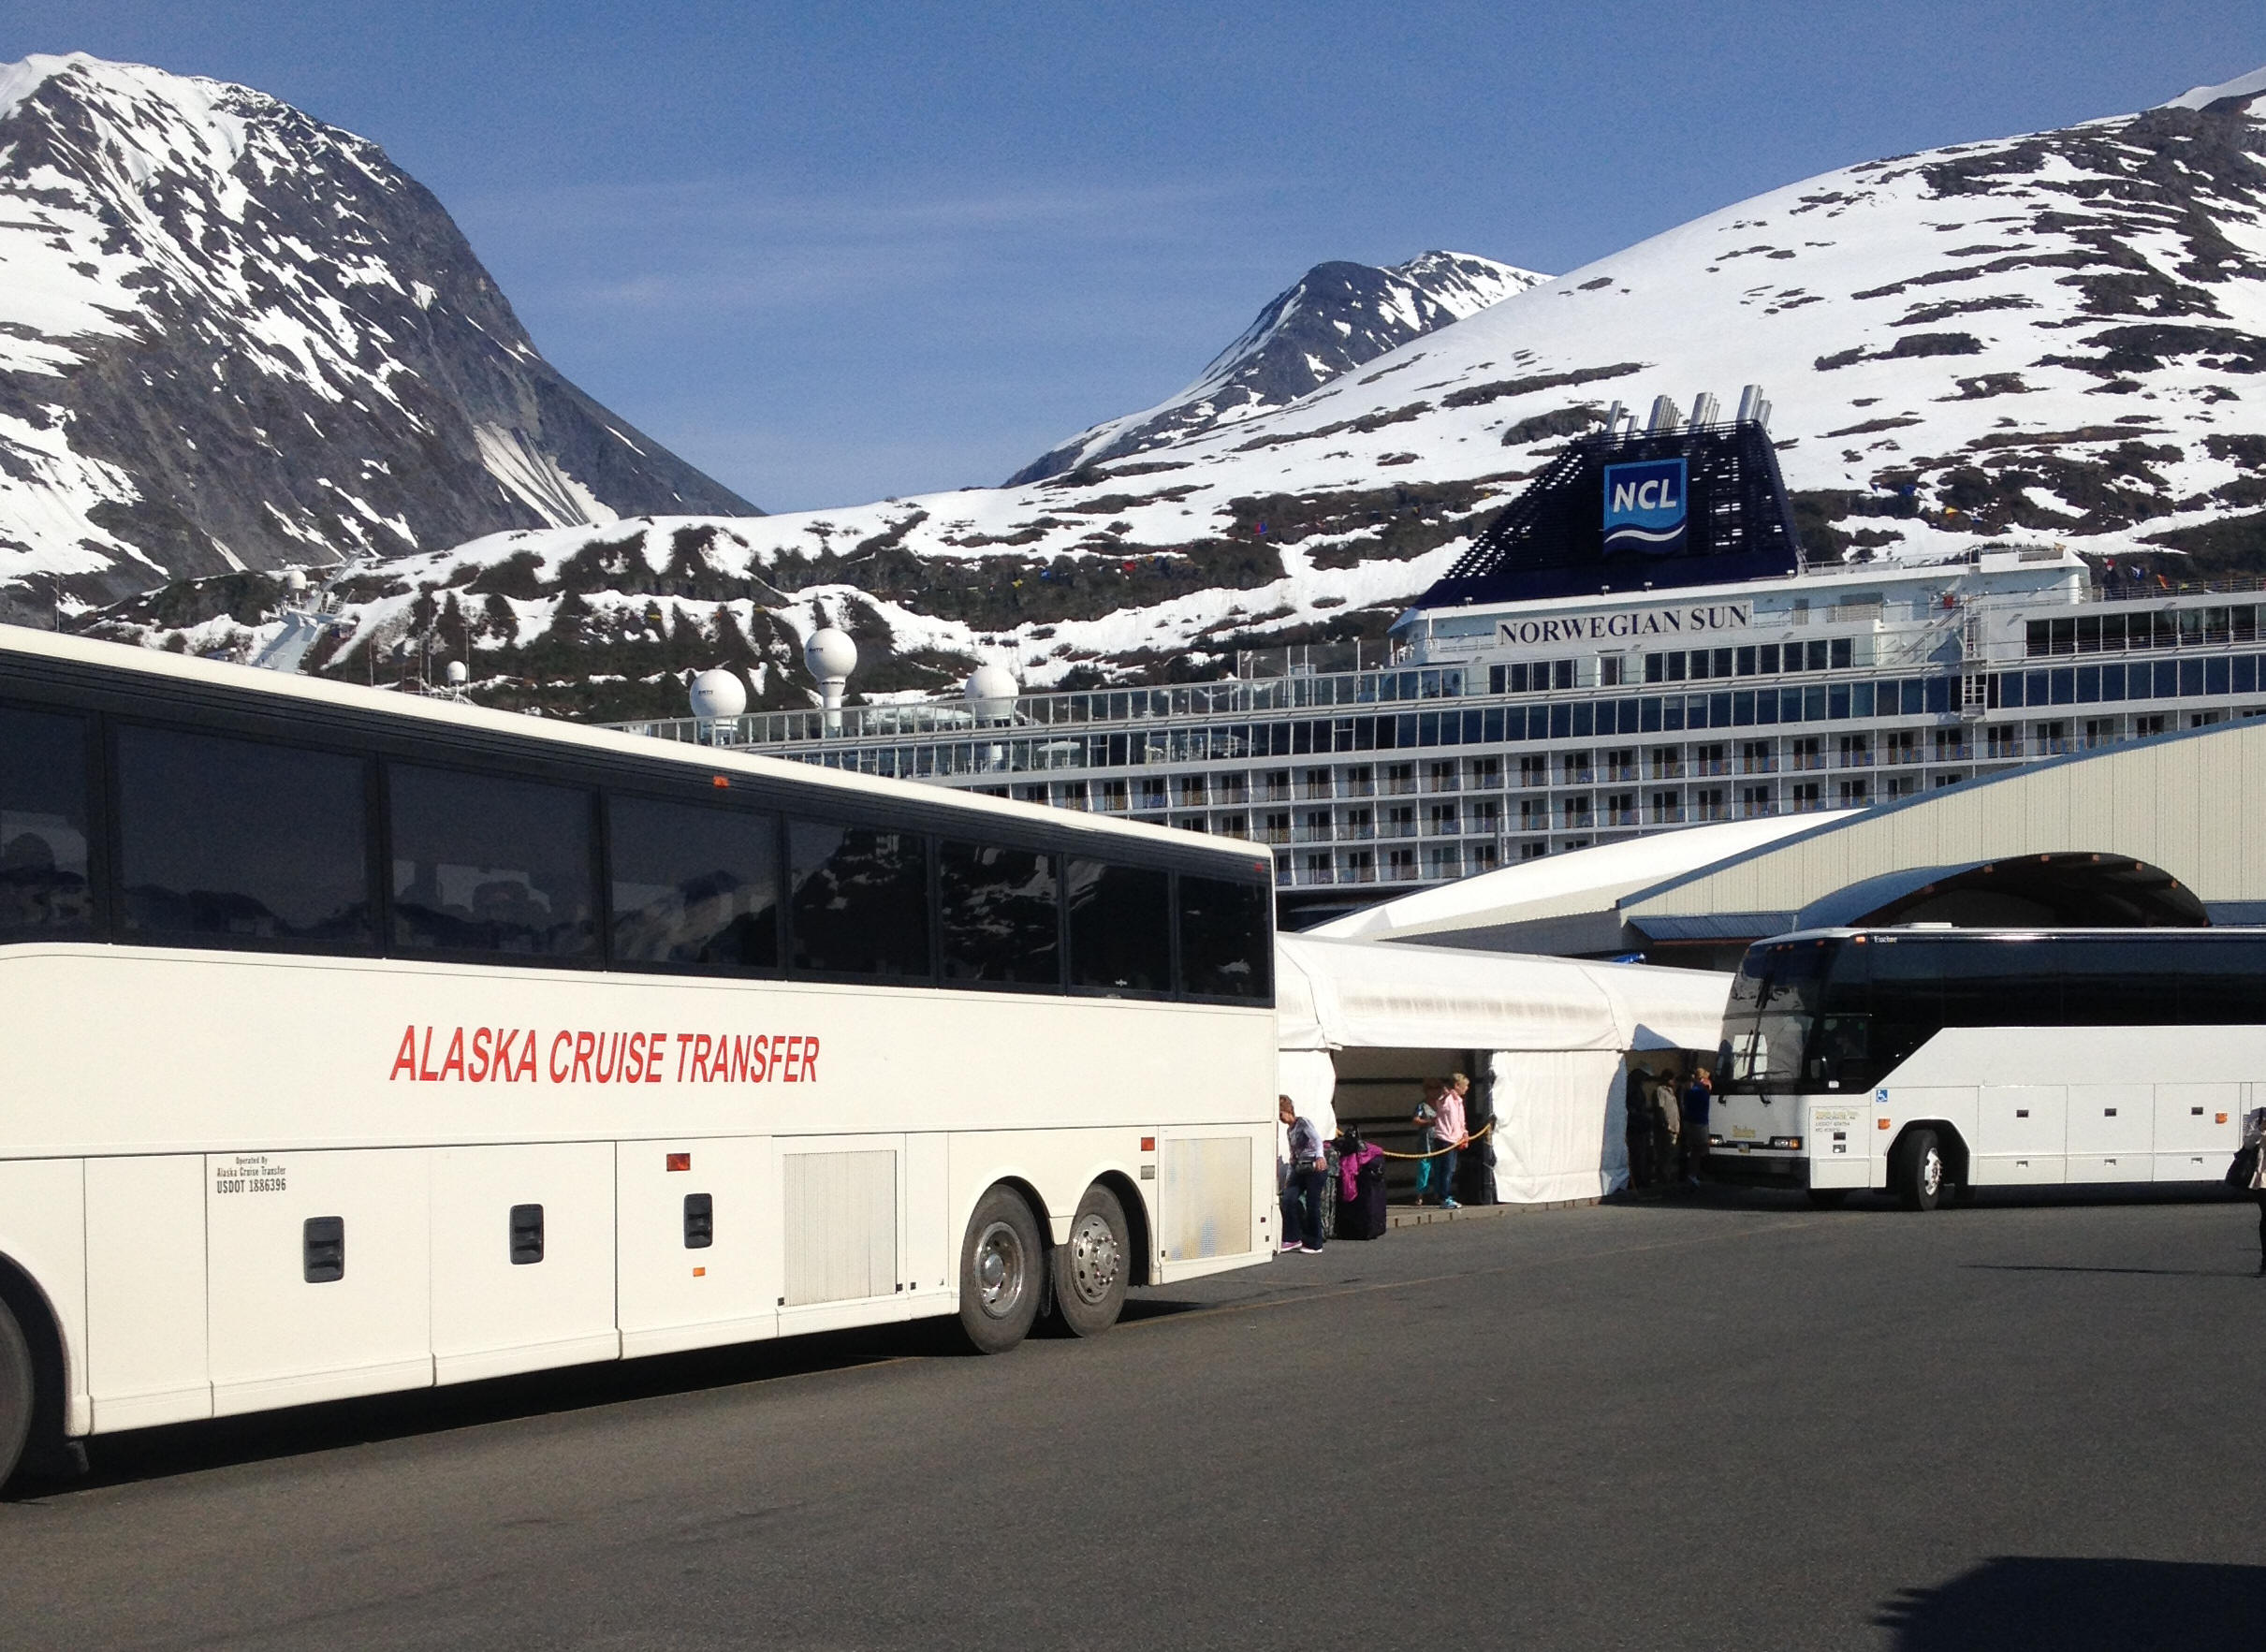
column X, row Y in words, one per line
column 1766, row 1025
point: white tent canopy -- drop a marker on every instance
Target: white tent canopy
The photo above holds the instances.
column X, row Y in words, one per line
column 1555, row 1031
column 1331, row 994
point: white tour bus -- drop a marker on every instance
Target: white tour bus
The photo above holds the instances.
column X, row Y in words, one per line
column 1921, row 1059
column 356, row 1042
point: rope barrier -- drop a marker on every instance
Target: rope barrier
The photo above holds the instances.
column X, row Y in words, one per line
column 1436, row 1152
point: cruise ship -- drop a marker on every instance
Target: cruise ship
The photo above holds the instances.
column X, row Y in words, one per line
column 1635, row 644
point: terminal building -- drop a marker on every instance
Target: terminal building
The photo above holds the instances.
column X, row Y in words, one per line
column 1636, row 644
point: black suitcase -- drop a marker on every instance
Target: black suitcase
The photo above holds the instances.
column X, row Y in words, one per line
column 1363, row 1216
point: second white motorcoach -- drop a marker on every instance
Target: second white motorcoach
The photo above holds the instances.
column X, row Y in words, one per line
column 1923, row 1060
column 357, row 1043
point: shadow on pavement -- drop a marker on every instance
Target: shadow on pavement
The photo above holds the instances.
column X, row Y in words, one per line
column 2018, row 1601
column 188, row 1447
column 2068, row 1267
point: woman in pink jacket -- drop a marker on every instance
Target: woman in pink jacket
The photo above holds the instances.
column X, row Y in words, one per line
column 1449, row 1139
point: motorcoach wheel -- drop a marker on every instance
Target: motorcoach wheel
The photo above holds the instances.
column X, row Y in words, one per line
column 1921, row 1184
column 1091, row 1271
column 1829, row 1198
column 15, row 1393
column 1000, row 1279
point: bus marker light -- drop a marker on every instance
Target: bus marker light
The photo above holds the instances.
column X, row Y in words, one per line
column 680, row 1162
column 700, row 1273
column 2222, row 1118
column 719, row 783
column 1880, row 1124
column 1148, row 1142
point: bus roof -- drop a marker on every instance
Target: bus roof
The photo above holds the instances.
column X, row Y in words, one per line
column 1950, row 932
column 103, row 657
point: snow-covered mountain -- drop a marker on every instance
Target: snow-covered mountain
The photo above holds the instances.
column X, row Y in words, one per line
column 233, row 337
column 2057, row 336
column 1333, row 319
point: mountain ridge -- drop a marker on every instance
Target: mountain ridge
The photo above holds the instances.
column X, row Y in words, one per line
column 2054, row 336
column 1337, row 317
column 233, row 337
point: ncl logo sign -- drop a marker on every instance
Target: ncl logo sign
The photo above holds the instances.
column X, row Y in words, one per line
column 1645, row 508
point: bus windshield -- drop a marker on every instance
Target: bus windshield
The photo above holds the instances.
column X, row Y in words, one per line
column 1767, row 1026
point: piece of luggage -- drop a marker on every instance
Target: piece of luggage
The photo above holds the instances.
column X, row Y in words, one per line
column 1363, row 1216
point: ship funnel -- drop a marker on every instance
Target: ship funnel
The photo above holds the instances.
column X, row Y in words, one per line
column 1666, row 416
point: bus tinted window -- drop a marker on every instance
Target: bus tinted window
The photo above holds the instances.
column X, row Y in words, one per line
column 44, row 892
column 1121, row 926
column 229, row 839
column 485, row 864
column 694, row 884
column 858, row 900
column 1226, row 945
column 1000, row 909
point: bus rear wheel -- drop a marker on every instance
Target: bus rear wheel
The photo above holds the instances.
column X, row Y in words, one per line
column 1920, row 1174
column 1001, row 1283
column 1091, row 1271
column 16, row 1394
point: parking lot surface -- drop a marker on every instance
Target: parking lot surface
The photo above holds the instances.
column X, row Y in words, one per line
column 1727, row 1421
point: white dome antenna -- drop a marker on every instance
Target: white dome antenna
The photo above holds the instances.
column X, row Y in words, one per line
column 717, row 693
column 990, row 692
column 831, row 657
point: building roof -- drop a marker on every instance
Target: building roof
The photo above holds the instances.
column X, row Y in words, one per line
column 1562, row 903
column 2179, row 802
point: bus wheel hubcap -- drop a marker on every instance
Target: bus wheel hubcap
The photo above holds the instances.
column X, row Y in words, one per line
column 1931, row 1173
column 998, row 1268
column 1095, row 1260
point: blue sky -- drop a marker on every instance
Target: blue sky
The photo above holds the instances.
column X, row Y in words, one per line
column 837, row 252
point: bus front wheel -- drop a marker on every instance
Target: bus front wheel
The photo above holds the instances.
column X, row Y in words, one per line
column 1001, row 1283
column 1920, row 1174
column 16, row 1397
column 1091, row 1269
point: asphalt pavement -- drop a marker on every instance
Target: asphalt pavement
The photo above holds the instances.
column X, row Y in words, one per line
column 1728, row 1421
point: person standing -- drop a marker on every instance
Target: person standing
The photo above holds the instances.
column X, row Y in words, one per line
column 2253, row 1145
column 1636, row 1117
column 1692, row 1127
column 1305, row 1165
column 1667, row 1129
column 1447, row 1139
column 1428, row 1111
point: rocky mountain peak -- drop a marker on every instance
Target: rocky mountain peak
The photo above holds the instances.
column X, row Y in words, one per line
column 234, row 337
column 1334, row 318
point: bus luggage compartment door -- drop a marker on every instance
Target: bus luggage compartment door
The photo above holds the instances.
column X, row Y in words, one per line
column 2021, row 1134
column 2197, row 1128
column 698, row 1242
column 522, row 1257
column 320, row 1275
column 2111, row 1131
